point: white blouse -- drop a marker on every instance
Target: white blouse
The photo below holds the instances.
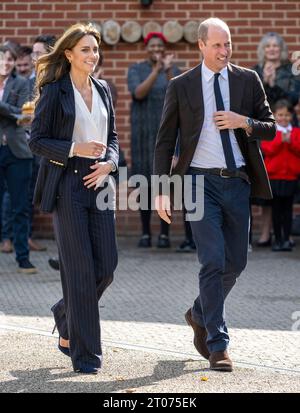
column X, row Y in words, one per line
column 89, row 126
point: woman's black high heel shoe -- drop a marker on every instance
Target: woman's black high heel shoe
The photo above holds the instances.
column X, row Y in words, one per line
column 64, row 350
column 86, row 369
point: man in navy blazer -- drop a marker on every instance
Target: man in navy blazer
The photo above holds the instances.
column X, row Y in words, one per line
column 222, row 111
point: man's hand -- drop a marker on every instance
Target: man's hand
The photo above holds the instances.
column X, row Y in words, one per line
column 229, row 120
column 101, row 170
column 163, row 207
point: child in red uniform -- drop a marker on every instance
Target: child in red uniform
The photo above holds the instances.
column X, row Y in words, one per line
column 282, row 159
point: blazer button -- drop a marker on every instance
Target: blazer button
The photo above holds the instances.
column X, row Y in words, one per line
column 75, row 171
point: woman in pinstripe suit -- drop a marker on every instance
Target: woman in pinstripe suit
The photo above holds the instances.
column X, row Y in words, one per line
column 74, row 132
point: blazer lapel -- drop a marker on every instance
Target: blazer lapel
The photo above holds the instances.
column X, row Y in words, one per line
column 68, row 103
column 102, row 92
column 236, row 90
column 194, row 90
column 104, row 97
column 7, row 89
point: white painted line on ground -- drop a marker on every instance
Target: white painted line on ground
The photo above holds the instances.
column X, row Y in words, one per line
column 109, row 343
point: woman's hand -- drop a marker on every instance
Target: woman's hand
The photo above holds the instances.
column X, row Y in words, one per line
column 24, row 120
column 168, row 61
column 158, row 65
column 286, row 137
column 269, row 74
column 101, row 170
column 92, row 148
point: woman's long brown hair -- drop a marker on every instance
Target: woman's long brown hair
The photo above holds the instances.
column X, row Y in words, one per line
column 54, row 65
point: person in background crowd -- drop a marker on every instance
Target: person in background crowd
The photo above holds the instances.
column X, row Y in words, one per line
column 275, row 71
column 5, row 206
column 15, row 155
column 15, row 46
column 24, row 64
column 42, row 45
column 147, row 83
column 282, row 159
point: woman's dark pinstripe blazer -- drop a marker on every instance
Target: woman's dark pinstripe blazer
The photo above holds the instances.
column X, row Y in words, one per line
column 51, row 135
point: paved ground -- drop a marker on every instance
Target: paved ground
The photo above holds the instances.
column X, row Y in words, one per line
column 147, row 345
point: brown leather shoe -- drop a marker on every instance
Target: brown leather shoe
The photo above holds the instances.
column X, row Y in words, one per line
column 34, row 246
column 200, row 335
column 7, row 246
column 219, row 360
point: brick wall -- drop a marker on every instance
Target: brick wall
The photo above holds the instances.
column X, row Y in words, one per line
column 22, row 20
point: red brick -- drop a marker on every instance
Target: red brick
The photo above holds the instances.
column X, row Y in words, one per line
column 293, row 15
column 249, row 14
column 12, row 23
column 174, row 15
column 292, row 30
column 260, row 6
column 79, row 15
column 42, row 7
column 68, row 6
column 25, row 32
column 7, row 15
column 188, row 6
column 213, row 6
column 6, row 33
column 284, row 23
column 271, row 15
column 42, row 23
column 237, row 6
column 15, row 7
column 120, row 6
column 52, row 15
column 101, row 15
column 28, row 16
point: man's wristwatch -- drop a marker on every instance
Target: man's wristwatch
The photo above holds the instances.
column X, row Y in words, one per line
column 113, row 165
column 249, row 123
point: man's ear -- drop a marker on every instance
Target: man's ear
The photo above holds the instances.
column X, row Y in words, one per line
column 201, row 44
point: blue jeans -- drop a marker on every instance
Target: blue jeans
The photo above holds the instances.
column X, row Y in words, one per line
column 7, row 218
column 221, row 238
column 16, row 173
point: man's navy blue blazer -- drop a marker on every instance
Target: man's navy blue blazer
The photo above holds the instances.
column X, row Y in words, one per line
column 52, row 131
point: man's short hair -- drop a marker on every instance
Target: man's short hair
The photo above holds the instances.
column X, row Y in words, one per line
column 24, row 51
column 212, row 21
column 47, row 39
